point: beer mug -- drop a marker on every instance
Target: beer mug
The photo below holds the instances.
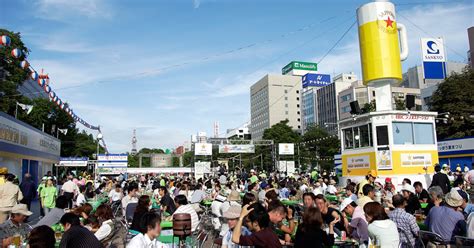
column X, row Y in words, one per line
column 16, row 240
column 380, row 53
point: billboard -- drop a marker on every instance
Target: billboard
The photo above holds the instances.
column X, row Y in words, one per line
column 286, row 149
column 286, row 166
column 384, row 160
column 358, row 162
column 316, row 80
column 415, row 159
column 204, row 149
column 73, row 162
column 236, row 148
column 112, row 160
column 201, row 168
column 299, row 68
column 434, row 58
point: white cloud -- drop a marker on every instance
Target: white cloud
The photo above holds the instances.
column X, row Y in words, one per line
column 62, row 10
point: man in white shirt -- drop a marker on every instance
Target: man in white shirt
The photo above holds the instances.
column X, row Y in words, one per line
column 184, row 208
column 69, row 190
column 149, row 238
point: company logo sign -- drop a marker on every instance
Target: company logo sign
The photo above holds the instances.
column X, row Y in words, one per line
column 316, row 80
column 386, row 22
column 299, row 65
column 432, row 50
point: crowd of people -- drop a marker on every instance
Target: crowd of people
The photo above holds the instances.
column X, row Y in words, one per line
column 246, row 210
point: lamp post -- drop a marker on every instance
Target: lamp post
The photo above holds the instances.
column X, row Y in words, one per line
column 99, row 138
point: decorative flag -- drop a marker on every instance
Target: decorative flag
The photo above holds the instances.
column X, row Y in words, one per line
column 25, row 107
column 24, row 64
column 16, row 53
column 5, row 40
column 47, row 89
column 63, row 131
column 34, row 75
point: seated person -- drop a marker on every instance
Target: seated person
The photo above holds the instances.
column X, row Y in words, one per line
column 105, row 216
column 310, row 233
column 76, row 235
column 166, row 202
column 15, row 225
column 151, row 229
column 83, row 212
column 183, row 207
column 41, row 237
column 330, row 214
column 143, row 207
column 258, row 222
column 232, row 215
column 55, row 214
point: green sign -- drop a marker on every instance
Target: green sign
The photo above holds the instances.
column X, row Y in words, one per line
column 299, row 65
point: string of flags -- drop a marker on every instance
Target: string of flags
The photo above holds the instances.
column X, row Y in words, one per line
column 317, row 140
column 43, row 81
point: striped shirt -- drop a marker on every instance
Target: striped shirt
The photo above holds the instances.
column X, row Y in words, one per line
column 188, row 209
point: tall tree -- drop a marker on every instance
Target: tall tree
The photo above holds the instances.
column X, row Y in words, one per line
column 456, row 96
column 319, row 147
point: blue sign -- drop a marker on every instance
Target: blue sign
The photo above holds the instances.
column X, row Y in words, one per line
column 434, row 70
column 316, row 80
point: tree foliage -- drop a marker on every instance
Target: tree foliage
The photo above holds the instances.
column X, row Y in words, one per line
column 13, row 75
column 456, row 96
column 319, row 147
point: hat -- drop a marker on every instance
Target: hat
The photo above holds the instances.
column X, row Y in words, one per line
column 445, row 165
column 44, row 178
column 252, row 171
column 233, row 212
column 344, row 203
column 50, row 178
column 409, row 188
column 458, row 168
column 372, row 173
column 453, row 198
column 233, row 196
column 3, row 171
column 388, row 180
column 263, row 185
column 21, row 209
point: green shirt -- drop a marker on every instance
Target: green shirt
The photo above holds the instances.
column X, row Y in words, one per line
column 253, row 179
column 162, row 182
column 40, row 187
column 49, row 194
column 314, row 174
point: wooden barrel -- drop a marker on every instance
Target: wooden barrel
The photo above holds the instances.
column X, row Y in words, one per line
column 182, row 225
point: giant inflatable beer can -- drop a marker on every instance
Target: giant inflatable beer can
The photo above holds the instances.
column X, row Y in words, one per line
column 380, row 52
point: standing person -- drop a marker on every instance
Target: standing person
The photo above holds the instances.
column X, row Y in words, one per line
column 151, row 230
column 404, row 221
column 28, row 188
column 381, row 229
column 69, row 190
column 81, row 198
column 10, row 195
column 441, row 179
column 48, row 196
column 41, row 187
column 75, row 235
column 310, row 233
column 259, row 223
column 232, row 216
column 166, row 202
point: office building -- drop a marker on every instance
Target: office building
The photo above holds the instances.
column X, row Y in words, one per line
column 363, row 95
column 274, row 98
column 241, row 132
column 327, row 104
column 309, row 109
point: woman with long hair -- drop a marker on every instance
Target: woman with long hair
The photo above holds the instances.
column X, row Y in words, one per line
column 310, row 232
column 143, row 207
column 105, row 217
column 382, row 230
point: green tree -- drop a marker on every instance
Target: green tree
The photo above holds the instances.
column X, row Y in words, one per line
column 399, row 104
column 456, row 96
column 13, row 74
column 368, row 107
column 175, row 161
column 319, row 147
column 133, row 161
column 188, row 159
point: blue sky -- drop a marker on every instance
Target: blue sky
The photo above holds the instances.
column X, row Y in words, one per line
column 172, row 68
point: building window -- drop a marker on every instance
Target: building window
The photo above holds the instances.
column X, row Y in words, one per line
column 286, row 98
column 346, row 97
column 297, row 92
column 286, row 91
column 286, row 105
column 299, row 119
column 286, row 112
column 423, row 133
column 382, row 135
column 297, row 105
column 402, row 133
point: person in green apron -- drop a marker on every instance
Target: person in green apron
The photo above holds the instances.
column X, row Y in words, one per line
column 48, row 196
column 41, row 187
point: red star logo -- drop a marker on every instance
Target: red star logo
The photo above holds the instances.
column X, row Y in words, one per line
column 389, row 22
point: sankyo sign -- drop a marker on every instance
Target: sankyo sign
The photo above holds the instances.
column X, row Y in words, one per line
column 298, row 65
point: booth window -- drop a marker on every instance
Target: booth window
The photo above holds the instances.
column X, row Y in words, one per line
column 413, row 133
column 424, row 133
column 356, row 137
column 382, row 135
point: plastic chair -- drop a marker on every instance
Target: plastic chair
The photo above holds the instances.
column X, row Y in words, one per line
column 201, row 238
column 217, row 243
column 463, row 241
column 433, row 238
column 130, row 210
column 404, row 234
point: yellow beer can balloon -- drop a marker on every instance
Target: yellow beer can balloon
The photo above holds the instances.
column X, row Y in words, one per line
column 378, row 41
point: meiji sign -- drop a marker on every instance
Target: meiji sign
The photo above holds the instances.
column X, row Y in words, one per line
column 432, row 50
column 299, row 66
